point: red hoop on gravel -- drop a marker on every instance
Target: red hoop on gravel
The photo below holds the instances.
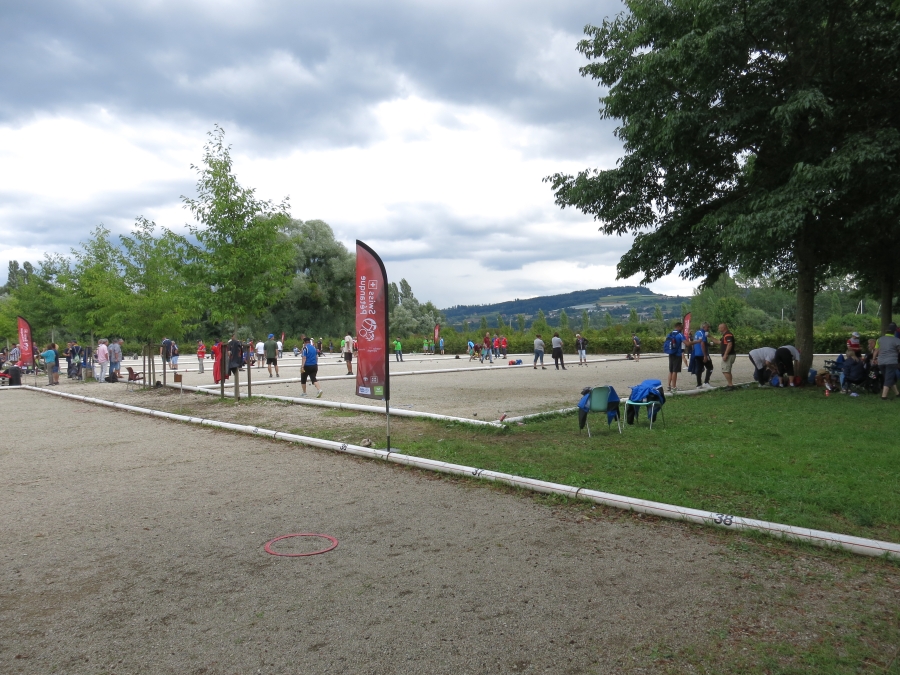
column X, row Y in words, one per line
column 268, row 546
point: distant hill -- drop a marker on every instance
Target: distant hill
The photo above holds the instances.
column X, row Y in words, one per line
column 618, row 300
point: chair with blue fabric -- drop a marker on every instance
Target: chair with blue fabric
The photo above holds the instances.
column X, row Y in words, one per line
column 599, row 399
column 648, row 394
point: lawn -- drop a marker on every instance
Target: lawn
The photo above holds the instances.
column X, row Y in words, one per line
column 787, row 456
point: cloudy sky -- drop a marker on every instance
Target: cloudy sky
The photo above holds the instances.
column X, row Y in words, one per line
column 421, row 127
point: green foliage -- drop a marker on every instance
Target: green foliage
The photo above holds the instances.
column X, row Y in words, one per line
column 563, row 320
column 586, row 320
column 412, row 317
column 483, row 325
column 520, row 322
column 754, row 138
column 241, row 260
column 321, row 295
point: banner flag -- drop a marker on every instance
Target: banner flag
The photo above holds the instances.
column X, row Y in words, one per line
column 372, row 362
column 26, row 348
column 687, row 325
column 437, row 332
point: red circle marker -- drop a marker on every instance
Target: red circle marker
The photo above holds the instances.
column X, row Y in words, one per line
column 268, row 546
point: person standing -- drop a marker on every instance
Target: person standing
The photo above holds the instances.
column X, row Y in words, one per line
column 201, row 356
column 309, row 366
column 700, row 359
column 504, row 346
column 115, row 357
column 49, row 356
column 398, row 350
column 471, row 346
column 347, row 348
column 487, row 348
column 728, row 351
column 102, row 360
column 260, row 353
column 174, row 355
column 318, row 346
column 331, row 346
column 15, row 354
column 281, row 347
column 676, row 340
column 636, row 347
column 165, row 350
column 441, row 345
column 234, row 352
column 270, row 348
column 581, row 348
column 887, row 356
column 556, row 344
column 77, row 355
column 538, row 351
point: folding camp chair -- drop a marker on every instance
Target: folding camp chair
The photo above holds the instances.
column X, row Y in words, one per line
column 134, row 377
column 646, row 404
column 599, row 402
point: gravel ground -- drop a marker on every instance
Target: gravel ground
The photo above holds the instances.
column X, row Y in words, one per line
column 135, row 545
column 485, row 392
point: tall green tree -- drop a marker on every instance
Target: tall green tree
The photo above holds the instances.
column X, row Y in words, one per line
column 322, row 292
column 240, row 257
column 161, row 301
column 749, row 129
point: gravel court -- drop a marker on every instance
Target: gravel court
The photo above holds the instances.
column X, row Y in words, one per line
column 491, row 391
column 134, row 545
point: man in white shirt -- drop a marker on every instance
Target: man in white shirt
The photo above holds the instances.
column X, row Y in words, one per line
column 348, row 353
column 260, row 354
column 280, row 347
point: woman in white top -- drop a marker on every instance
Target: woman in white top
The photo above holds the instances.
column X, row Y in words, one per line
column 538, row 351
column 557, row 345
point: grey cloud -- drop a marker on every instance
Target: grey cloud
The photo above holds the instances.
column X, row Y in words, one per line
column 299, row 72
column 426, row 231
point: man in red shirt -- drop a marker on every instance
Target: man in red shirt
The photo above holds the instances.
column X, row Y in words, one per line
column 503, row 345
column 486, row 349
column 201, row 355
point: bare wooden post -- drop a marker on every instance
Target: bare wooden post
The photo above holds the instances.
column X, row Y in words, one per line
column 249, row 369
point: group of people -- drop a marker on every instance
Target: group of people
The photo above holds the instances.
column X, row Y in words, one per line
column 556, row 345
column 699, row 359
column 230, row 357
column 879, row 363
column 489, row 348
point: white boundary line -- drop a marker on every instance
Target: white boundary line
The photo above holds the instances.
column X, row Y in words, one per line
column 859, row 545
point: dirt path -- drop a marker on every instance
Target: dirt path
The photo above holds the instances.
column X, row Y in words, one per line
column 135, row 545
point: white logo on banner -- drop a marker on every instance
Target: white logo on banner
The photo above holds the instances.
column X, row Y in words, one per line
column 365, row 390
column 368, row 330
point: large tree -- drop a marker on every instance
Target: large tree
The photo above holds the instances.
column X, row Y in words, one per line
column 322, row 292
column 241, row 260
column 746, row 125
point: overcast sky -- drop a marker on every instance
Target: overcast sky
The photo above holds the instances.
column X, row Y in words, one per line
column 423, row 128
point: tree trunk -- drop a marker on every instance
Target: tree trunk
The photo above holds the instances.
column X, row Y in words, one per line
column 887, row 299
column 806, row 297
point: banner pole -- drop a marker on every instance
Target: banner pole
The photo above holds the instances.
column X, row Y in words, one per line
column 387, row 410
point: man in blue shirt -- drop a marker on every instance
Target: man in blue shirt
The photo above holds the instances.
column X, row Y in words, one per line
column 700, row 360
column 675, row 357
column 309, row 366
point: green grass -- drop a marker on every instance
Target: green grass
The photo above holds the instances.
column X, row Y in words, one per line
column 790, row 456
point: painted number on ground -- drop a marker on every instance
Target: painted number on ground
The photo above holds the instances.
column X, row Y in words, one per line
column 723, row 519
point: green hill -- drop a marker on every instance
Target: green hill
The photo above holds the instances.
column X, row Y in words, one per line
column 617, row 300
